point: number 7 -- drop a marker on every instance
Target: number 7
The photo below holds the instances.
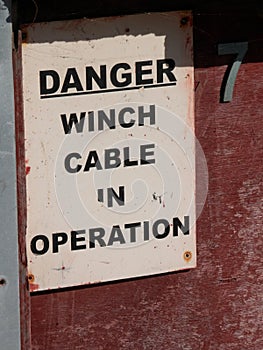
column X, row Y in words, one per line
column 230, row 76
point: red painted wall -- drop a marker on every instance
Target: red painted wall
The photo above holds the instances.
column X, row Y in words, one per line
column 218, row 305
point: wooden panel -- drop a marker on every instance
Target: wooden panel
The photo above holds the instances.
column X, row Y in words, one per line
column 218, row 305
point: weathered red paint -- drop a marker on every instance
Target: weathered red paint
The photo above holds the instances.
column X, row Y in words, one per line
column 218, row 304
column 21, row 197
column 33, row 287
column 28, row 168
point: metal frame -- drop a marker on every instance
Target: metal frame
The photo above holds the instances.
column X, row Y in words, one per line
column 9, row 252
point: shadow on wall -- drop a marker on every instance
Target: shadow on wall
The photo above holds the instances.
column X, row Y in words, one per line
column 50, row 10
column 160, row 25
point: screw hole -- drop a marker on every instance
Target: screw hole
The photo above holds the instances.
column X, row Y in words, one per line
column 31, row 278
column 2, row 282
column 184, row 21
column 187, row 256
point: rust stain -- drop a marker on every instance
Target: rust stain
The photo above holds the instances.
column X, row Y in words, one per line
column 112, row 18
column 33, row 286
column 187, row 256
column 31, row 278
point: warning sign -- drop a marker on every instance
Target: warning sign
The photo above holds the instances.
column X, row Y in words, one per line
column 110, row 148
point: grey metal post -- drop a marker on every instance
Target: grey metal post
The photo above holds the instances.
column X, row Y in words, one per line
column 9, row 265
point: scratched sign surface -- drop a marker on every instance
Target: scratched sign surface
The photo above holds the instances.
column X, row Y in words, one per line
column 110, row 148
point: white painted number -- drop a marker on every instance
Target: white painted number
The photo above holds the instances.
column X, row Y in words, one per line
column 229, row 81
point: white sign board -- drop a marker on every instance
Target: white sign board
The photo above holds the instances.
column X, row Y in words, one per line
column 110, row 148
